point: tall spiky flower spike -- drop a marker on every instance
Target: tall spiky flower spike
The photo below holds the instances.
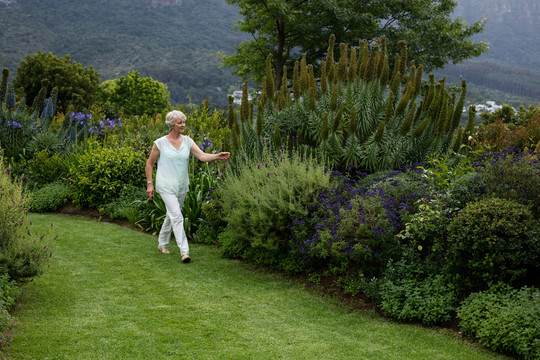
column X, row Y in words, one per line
column 352, row 65
column 3, row 86
column 343, row 59
column 269, row 85
column 324, row 78
column 403, row 56
column 330, row 64
column 304, row 76
column 296, row 80
column 244, row 105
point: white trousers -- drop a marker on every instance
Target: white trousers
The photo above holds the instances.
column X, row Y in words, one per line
column 174, row 222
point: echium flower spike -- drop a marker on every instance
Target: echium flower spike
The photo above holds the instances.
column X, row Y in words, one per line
column 312, row 98
column 337, row 119
column 334, row 97
column 324, row 127
column 269, row 78
column 324, row 78
column 380, row 131
column 418, row 80
column 10, row 97
column 3, row 85
column 276, row 137
column 352, row 65
column 442, row 112
column 296, row 80
column 458, row 140
column 434, row 107
column 330, row 58
column 343, row 59
column 363, row 58
column 400, row 108
column 385, row 71
column 389, row 106
column 231, row 117
column 234, row 135
column 412, row 78
column 396, row 83
column 420, row 129
column 396, row 75
column 259, row 124
column 459, row 106
column 304, row 76
column 40, row 98
column 244, row 105
column 264, row 94
column 406, row 126
column 372, row 66
column 354, row 121
column 403, row 56
column 284, row 86
column 470, row 122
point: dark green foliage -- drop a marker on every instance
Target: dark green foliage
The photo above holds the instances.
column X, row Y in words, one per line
column 492, row 240
column 76, row 84
column 123, row 206
column 9, row 291
column 466, row 189
column 44, row 168
column 99, row 174
column 50, row 197
column 504, row 319
column 409, row 293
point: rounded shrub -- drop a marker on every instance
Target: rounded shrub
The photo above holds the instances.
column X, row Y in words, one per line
column 504, row 319
column 466, row 189
column 492, row 240
column 102, row 172
column 50, row 197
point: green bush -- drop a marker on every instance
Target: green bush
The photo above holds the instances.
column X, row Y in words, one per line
column 100, row 174
column 504, row 319
column 121, row 207
column 22, row 252
column 9, row 291
column 409, row 293
column 50, row 197
column 467, row 188
column 513, row 175
column 260, row 202
column 492, row 240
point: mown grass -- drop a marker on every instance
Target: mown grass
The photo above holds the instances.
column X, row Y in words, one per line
column 109, row 294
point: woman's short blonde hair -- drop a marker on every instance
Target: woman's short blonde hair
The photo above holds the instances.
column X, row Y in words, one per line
column 172, row 116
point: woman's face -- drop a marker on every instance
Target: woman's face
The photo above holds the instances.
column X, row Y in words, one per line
column 179, row 125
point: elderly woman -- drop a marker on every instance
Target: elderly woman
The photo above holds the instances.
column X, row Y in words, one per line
column 172, row 179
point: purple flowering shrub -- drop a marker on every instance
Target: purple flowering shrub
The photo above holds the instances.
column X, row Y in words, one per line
column 354, row 225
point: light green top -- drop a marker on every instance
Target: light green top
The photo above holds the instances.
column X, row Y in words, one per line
column 172, row 175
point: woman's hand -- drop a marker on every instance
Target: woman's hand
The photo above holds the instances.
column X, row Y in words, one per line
column 150, row 191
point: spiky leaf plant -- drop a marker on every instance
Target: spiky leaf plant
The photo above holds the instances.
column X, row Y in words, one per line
column 357, row 113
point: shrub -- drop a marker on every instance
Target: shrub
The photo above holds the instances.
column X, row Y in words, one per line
column 498, row 135
column 260, row 201
column 467, row 188
column 492, row 240
column 504, row 319
column 121, row 207
column 355, row 225
column 101, row 173
column 512, row 174
column 9, row 291
column 409, row 293
column 50, row 197
column 22, row 252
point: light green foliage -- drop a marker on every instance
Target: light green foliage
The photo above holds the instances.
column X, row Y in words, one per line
column 135, row 95
column 409, row 293
column 379, row 139
column 9, row 291
column 442, row 171
column 101, row 172
column 44, row 168
column 262, row 198
column 207, row 125
column 22, row 253
column 76, row 84
column 504, row 319
column 492, row 240
column 50, row 197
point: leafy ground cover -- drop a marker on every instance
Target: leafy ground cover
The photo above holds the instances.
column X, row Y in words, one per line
column 109, row 294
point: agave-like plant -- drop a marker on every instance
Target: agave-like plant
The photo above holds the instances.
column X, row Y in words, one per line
column 357, row 112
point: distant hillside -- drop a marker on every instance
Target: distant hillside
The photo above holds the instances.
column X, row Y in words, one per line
column 174, row 41
column 510, row 71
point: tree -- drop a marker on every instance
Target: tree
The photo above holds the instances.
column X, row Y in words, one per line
column 135, row 95
column 288, row 28
column 76, row 84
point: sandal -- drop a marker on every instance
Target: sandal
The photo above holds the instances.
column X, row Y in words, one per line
column 186, row 258
column 163, row 249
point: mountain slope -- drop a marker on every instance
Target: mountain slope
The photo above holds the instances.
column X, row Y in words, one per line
column 173, row 41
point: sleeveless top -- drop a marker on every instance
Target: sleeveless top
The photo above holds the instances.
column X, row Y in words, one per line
column 172, row 175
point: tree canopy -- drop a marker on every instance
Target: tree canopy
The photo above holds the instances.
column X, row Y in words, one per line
column 76, row 84
column 135, row 95
column 287, row 29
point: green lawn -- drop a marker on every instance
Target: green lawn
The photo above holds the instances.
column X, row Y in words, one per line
column 109, row 294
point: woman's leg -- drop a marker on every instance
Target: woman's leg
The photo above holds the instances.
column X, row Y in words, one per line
column 174, row 204
column 165, row 232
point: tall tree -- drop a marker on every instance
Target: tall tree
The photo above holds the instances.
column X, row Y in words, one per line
column 288, row 28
